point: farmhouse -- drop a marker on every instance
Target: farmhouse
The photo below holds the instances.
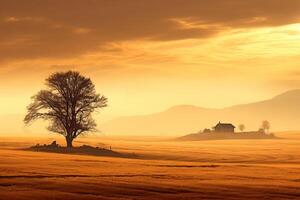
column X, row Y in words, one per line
column 224, row 128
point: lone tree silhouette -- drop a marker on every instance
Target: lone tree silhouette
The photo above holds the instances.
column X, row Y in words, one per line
column 67, row 103
column 242, row 127
column 266, row 126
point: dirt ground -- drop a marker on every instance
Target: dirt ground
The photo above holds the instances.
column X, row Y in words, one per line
column 228, row 169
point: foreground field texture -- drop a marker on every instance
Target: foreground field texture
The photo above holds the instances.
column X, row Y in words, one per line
column 232, row 169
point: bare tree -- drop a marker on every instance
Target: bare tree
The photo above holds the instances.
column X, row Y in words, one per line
column 67, row 103
column 242, row 127
column 266, row 126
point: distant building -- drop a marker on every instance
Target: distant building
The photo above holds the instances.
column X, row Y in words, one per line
column 224, row 128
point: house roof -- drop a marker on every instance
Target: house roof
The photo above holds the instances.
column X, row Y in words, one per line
column 224, row 125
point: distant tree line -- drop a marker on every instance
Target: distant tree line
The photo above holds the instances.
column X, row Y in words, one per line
column 265, row 127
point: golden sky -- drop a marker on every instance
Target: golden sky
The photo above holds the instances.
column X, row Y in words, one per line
column 149, row 55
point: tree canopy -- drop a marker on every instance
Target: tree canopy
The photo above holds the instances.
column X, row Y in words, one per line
column 67, row 103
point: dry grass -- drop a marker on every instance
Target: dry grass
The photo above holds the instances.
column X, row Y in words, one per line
column 236, row 169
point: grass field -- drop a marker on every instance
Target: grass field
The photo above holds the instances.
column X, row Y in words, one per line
column 229, row 169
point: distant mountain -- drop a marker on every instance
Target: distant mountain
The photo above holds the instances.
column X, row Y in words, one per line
column 283, row 111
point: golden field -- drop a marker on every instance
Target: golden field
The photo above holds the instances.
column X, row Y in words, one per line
column 224, row 169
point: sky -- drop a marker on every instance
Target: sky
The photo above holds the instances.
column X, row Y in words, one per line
column 147, row 56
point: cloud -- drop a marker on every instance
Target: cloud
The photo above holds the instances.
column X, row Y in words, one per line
column 13, row 19
column 69, row 28
column 81, row 30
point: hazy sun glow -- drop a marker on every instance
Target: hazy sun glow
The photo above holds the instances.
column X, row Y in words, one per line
column 199, row 59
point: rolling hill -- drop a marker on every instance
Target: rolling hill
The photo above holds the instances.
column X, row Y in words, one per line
column 283, row 111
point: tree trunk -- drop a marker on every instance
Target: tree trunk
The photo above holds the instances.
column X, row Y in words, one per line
column 69, row 142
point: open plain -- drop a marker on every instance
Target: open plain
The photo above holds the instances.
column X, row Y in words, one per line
column 162, row 169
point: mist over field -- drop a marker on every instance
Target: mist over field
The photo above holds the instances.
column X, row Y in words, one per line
column 281, row 111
